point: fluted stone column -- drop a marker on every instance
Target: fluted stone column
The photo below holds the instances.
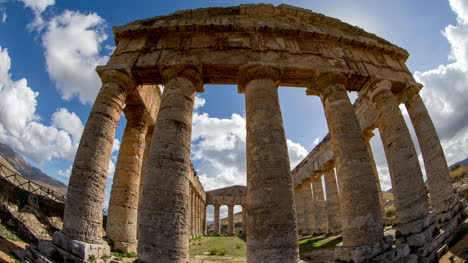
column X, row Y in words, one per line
column 437, row 172
column 298, row 197
column 164, row 229
column 321, row 218
column 333, row 201
column 216, row 224
column 192, row 212
column 85, row 196
column 407, row 181
column 361, row 215
column 367, row 137
column 123, row 204
column 198, row 216
column 205, row 224
column 244, row 220
column 230, row 220
column 271, row 223
column 308, row 204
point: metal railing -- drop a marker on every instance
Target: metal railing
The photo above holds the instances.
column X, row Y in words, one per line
column 21, row 182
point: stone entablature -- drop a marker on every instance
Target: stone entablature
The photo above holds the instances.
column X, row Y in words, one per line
column 220, row 40
column 232, row 195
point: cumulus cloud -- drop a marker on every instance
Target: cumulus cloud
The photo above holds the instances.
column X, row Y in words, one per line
column 4, row 15
column 445, row 92
column 69, row 122
column 37, row 6
column 21, row 127
column 218, row 145
column 72, row 45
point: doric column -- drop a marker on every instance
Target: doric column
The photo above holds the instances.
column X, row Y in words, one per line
column 333, row 201
column 205, row 224
column 299, row 200
column 198, row 216
column 192, row 212
column 319, row 204
column 231, row 220
column 244, row 220
column 216, row 224
column 367, row 137
column 437, row 172
column 165, row 195
column 123, row 204
column 309, row 217
column 85, row 196
column 407, row 181
column 361, row 216
column 144, row 164
column 272, row 222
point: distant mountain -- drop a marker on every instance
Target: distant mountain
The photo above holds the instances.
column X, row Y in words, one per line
column 28, row 171
column 461, row 163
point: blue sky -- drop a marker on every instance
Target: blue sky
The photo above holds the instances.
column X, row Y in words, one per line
column 49, row 49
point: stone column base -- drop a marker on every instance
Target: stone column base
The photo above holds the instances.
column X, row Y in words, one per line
column 73, row 250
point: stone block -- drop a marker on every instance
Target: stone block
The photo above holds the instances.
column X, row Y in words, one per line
column 80, row 249
column 357, row 254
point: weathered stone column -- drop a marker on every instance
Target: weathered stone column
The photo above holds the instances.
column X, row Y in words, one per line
column 205, row 224
column 407, row 181
column 244, row 220
column 333, row 201
column 309, row 217
column 192, row 212
column 148, row 139
column 85, row 196
column 123, row 204
column 230, row 220
column 367, row 137
column 216, row 224
column 271, row 223
column 361, row 216
column 437, row 172
column 321, row 218
column 299, row 200
column 165, row 195
column 309, row 208
column 198, row 216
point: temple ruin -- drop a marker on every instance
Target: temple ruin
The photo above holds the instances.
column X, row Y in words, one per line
column 157, row 202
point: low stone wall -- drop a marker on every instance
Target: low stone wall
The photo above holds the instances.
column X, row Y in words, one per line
column 29, row 215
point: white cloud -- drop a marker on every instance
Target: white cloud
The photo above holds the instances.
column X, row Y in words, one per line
column 116, row 145
column 72, row 43
column 199, row 102
column 445, row 92
column 316, row 141
column 4, row 15
column 20, row 126
column 37, row 6
column 69, row 122
column 218, row 145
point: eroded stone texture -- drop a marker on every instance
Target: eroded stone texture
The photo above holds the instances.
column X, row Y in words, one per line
column 85, row 197
column 244, row 220
column 123, row 204
column 367, row 137
column 216, row 224
column 231, row 220
column 437, row 172
column 271, row 222
column 299, row 200
column 165, row 195
column 360, row 211
column 333, row 201
column 320, row 205
column 309, row 216
column 407, row 182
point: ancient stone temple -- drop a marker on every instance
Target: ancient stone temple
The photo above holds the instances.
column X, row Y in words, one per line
column 157, row 202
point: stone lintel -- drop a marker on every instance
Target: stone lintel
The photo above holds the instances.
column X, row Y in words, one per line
column 147, row 97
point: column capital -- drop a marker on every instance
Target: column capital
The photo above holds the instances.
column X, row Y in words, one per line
column 137, row 113
column 409, row 92
column 191, row 72
column 375, row 88
column 250, row 72
column 122, row 77
column 229, row 206
column 326, row 83
column 217, row 205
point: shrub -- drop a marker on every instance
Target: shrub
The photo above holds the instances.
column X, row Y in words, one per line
column 92, row 258
column 238, row 246
column 222, row 252
column 213, row 251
